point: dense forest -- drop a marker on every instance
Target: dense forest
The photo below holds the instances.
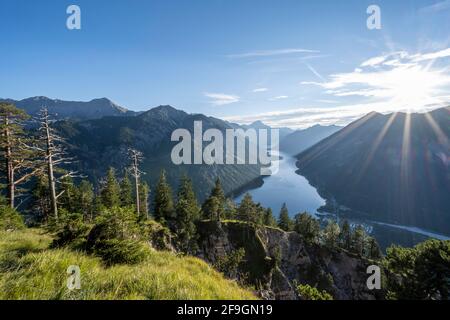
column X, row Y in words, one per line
column 123, row 221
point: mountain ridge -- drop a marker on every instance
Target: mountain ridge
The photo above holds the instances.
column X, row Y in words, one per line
column 392, row 168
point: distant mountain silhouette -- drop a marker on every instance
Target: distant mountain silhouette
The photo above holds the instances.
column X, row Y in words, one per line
column 74, row 110
column 392, row 168
column 301, row 140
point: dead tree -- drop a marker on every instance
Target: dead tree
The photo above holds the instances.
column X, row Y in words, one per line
column 20, row 162
column 53, row 146
column 136, row 158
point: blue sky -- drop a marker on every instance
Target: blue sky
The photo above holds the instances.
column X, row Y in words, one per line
column 287, row 62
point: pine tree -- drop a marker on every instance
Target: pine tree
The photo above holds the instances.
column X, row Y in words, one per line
column 284, row 221
column 41, row 198
column 359, row 238
column 269, row 219
column 247, row 209
column 126, row 192
column 214, row 206
column 331, row 234
column 218, row 192
column 163, row 202
column 186, row 233
column 187, row 211
column 186, row 192
column 86, row 199
column 210, row 209
column 345, row 238
column 69, row 196
column 230, row 210
column 307, row 226
column 110, row 194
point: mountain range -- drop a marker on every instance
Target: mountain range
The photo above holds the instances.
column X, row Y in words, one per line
column 392, row 168
column 300, row 140
column 74, row 110
column 102, row 143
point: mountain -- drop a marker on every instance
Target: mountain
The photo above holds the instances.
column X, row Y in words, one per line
column 74, row 110
column 301, row 140
column 101, row 143
column 392, row 168
column 283, row 131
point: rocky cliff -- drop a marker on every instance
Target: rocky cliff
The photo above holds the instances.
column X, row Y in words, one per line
column 275, row 261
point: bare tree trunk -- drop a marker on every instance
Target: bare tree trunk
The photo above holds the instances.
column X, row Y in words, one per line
column 136, row 157
column 50, row 173
column 138, row 200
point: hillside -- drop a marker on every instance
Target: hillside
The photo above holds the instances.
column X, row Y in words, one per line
column 99, row 144
column 301, row 140
column 74, row 110
column 393, row 168
column 31, row 271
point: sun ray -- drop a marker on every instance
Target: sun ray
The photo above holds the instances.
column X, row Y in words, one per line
column 341, row 135
column 376, row 144
column 405, row 164
column 440, row 135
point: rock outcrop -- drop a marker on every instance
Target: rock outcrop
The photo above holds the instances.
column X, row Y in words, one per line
column 276, row 261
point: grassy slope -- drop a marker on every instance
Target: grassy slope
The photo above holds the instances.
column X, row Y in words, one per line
column 29, row 270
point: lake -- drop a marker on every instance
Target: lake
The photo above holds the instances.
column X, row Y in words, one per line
column 288, row 187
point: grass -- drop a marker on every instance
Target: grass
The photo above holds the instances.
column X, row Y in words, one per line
column 30, row 270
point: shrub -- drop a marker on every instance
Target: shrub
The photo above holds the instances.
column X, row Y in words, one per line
column 10, row 219
column 310, row 293
column 72, row 231
column 116, row 237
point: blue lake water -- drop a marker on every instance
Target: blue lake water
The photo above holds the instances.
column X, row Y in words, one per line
column 288, row 187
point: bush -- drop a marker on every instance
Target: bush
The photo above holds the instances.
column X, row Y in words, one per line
column 310, row 293
column 117, row 238
column 116, row 251
column 72, row 231
column 10, row 219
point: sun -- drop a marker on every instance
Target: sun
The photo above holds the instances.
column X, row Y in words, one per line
column 414, row 87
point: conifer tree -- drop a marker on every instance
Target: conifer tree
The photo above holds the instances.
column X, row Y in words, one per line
column 214, row 206
column 307, row 226
column 69, row 197
column 110, row 193
column 331, row 234
column 269, row 219
column 163, row 201
column 230, row 210
column 187, row 211
column 86, row 199
column 345, row 238
column 247, row 210
column 126, row 192
column 359, row 238
column 186, row 233
column 284, row 221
